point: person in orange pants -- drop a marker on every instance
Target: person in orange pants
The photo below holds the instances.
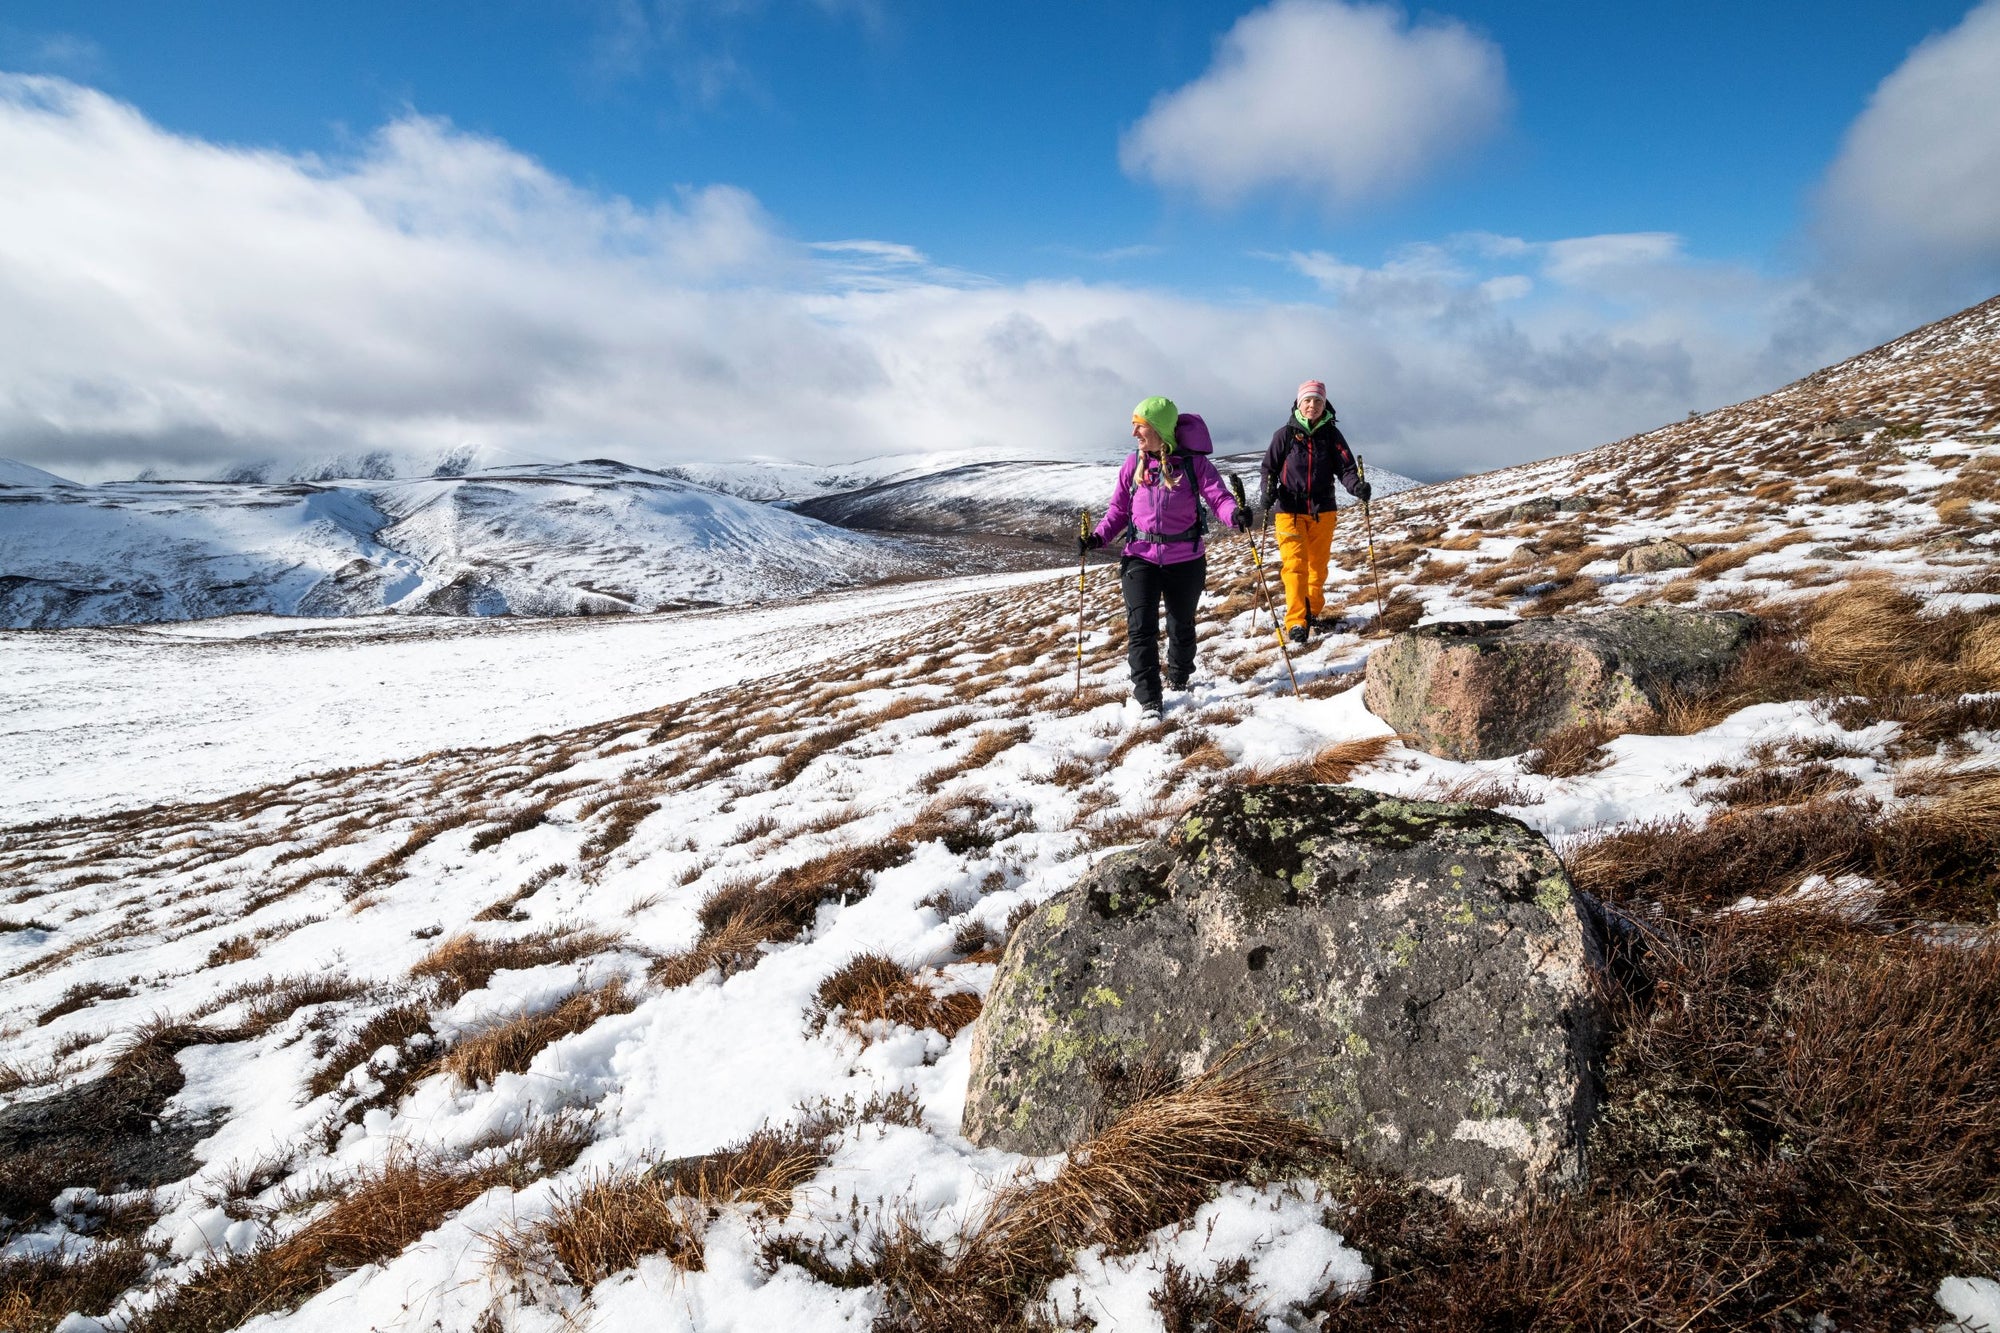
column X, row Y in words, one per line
column 1307, row 454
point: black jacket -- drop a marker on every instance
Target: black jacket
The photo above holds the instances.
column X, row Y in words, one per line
column 1299, row 469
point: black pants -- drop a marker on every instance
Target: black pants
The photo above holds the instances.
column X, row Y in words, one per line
column 1145, row 584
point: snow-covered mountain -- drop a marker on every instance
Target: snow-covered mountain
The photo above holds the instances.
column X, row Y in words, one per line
column 20, row 474
column 587, row 538
column 1014, row 498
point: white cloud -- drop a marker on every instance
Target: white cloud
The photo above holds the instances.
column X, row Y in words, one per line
column 1914, row 196
column 1342, row 102
column 169, row 302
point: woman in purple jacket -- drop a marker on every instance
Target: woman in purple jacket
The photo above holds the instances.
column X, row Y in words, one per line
column 1158, row 500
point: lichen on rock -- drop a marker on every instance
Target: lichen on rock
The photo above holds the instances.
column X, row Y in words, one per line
column 1489, row 689
column 1422, row 969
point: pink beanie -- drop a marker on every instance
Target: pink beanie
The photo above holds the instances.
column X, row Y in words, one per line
column 1317, row 388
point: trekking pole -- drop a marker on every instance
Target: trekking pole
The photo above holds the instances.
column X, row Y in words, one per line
column 1368, row 529
column 1264, row 582
column 1082, row 565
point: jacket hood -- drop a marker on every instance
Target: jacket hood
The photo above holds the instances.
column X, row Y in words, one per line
column 1160, row 414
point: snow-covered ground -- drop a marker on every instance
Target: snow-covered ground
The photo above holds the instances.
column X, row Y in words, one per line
column 600, row 782
column 103, row 719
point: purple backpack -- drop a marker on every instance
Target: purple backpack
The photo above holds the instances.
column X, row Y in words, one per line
column 1191, row 435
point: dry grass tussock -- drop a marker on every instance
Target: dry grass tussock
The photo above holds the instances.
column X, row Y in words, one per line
column 373, row 1217
column 510, row 1047
column 467, row 962
column 739, row 918
column 1570, row 752
column 1936, row 858
column 987, row 746
column 1331, row 763
column 519, row 822
column 39, row 1292
column 1721, row 562
column 1401, row 610
column 1800, row 1114
column 608, row 1224
column 873, row 987
column 1487, row 791
column 1867, row 640
column 1874, row 638
column 1159, row 1161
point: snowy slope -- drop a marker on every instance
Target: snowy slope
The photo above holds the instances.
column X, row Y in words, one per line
column 302, row 930
column 583, row 538
column 1017, row 498
column 20, row 474
column 596, row 537
column 777, row 479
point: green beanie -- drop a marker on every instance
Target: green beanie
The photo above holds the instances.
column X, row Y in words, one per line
column 1161, row 415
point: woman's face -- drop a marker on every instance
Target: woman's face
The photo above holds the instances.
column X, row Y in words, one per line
column 1148, row 438
column 1311, row 406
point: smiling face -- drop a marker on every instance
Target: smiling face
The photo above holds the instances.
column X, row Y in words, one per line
column 1311, row 406
column 1148, row 438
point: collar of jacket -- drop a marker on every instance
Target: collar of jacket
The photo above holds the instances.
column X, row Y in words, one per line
column 1310, row 427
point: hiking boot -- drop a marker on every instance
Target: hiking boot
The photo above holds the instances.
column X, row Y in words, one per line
column 1177, row 682
column 1149, row 710
column 1297, row 636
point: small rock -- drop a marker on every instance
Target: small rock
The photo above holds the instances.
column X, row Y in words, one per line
column 1488, row 689
column 1577, row 504
column 1846, row 428
column 1827, row 553
column 1425, row 967
column 1651, row 557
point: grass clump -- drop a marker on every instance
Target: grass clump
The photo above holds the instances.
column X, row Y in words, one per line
column 1936, row 858
column 1571, row 752
column 1154, row 1165
column 608, row 1224
column 875, row 988
column 1331, row 763
column 510, row 1047
column 37, row 1292
column 374, row 1216
column 466, row 963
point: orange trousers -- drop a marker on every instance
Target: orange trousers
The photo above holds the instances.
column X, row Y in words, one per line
column 1304, row 544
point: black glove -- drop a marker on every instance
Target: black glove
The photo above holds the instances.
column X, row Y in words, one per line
column 1264, row 499
column 1242, row 518
column 1086, row 543
column 1362, row 490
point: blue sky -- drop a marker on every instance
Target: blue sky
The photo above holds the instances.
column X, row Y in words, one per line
column 1031, row 177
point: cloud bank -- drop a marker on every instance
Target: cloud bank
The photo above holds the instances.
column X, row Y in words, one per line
column 1336, row 101
column 1915, row 190
column 172, row 303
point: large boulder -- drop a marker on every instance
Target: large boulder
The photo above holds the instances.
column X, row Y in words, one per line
column 1487, row 689
column 1654, row 556
column 1422, row 971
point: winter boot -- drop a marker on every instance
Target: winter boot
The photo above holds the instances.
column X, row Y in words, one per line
column 1297, row 636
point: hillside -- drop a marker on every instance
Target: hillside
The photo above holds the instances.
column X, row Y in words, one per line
column 663, row 1019
column 540, row 540
column 1025, row 499
column 20, row 474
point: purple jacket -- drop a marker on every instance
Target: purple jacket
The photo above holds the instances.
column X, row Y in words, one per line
column 1144, row 503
